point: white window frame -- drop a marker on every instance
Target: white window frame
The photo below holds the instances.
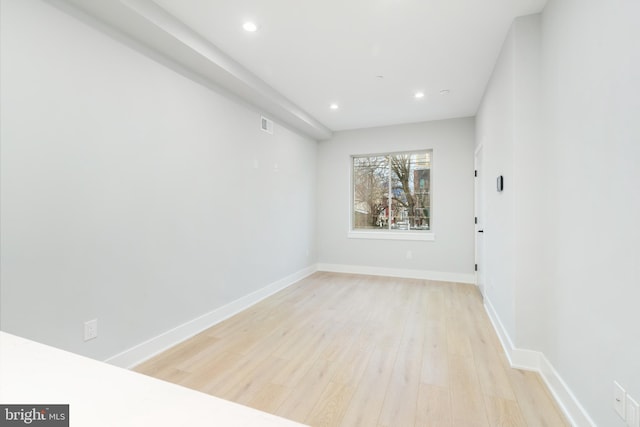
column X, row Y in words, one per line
column 392, row 234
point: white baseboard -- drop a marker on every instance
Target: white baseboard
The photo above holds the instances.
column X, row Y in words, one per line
column 527, row 360
column 398, row 272
column 536, row 361
column 567, row 401
column 141, row 352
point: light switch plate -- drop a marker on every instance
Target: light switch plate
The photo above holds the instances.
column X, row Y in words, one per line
column 619, row 398
column 633, row 412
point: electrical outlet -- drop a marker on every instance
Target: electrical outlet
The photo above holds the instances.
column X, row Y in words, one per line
column 90, row 329
column 409, row 255
column 633, row 412
column 619, row 398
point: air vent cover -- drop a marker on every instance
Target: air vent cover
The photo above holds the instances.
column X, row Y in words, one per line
column 266, row 125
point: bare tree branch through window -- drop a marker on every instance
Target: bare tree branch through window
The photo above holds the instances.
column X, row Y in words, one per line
column 392, row 191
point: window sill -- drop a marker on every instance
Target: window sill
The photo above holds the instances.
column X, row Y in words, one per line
column 392, row 235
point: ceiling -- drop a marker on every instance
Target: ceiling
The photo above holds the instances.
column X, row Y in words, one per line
column 368, row 56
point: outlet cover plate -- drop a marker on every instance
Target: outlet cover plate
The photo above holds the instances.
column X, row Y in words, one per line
column 90, row 329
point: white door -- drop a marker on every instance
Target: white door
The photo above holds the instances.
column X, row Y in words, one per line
column 479, row 218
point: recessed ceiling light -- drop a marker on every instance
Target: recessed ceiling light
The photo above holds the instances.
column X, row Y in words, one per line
column 445, row 92
column 333, row 106
column 250, row 27
column 418, row 95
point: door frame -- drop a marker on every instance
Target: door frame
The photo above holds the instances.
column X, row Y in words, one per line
column 478, row 211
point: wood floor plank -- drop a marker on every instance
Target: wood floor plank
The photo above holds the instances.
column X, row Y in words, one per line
column 267, row 399
column 467, row 404
column 351, row 363
column 331, row 405
column 172, row 375
column 351, row 350
column 175, row 356
column 209, row 374
column 246, row 383
column 299, row 366
column 305, row 395
column 435, row 364
column 370, row 393
column 492, row 372
column 504, row 412
column 434, row 406
column 534, row 401
column 399, row 406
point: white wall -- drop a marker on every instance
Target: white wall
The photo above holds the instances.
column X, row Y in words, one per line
column 575, row 292
column 591, row 69
column 496, row 139
column 508, row 128
column 130, row 193
column 452, row 250
column 530, row 172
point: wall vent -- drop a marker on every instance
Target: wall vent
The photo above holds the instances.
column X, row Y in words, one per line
column 266, row 125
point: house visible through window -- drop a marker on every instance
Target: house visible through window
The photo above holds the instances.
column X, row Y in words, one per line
column 392, row 192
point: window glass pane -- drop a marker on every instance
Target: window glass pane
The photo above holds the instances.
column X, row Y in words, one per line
column 392, row 192
column 411, row 191
column 370, row 192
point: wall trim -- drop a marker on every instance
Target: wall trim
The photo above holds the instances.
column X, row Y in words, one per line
column 536, row 361
column 147, row 349
column 398, row 272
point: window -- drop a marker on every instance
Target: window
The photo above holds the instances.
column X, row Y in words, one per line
column 391, row 196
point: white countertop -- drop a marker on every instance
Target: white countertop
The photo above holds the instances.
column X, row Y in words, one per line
column 103, row 395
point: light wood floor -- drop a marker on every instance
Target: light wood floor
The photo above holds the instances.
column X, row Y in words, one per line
column 348, row 350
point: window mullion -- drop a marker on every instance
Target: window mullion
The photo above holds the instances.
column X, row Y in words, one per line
column 390, row 200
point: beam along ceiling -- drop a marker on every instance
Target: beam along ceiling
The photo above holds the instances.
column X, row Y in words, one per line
column 368, row 57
